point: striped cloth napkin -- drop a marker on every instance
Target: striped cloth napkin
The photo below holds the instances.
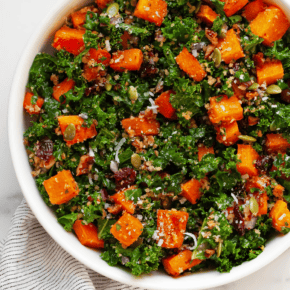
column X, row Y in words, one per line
column 30, row 259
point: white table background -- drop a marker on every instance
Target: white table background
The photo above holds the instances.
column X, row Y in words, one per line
column 18, row 20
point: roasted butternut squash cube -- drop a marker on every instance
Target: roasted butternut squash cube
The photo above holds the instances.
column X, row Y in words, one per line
column 191, row 190
column 206, row 15
column 62, row 88
column 85, row 165
column 127, row 230
column 171, row 225
column 278, row 191
column 130, row 59
column 270, row 72
column 32, row 109
column 280, row 215
column 203, row 150
column 70, row 40
column 88, row 235
column 82, row 133
column 270, row 24
column 224, row 109
column 103, row 3
column 176, row 264
column 188, row 63
column 136, row 127
column 253, row 9
column 258, row 182
column 248, row 156
column 276, row 143
column 61, row 188
column 127, row 205
column 164, row 106
column 233, row 6
column 230, row 47
column 151, row 10
column 79, row 17
column 228, row 133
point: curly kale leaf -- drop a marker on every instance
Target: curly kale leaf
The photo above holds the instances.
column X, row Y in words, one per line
column 68, row 220
column 141, row 260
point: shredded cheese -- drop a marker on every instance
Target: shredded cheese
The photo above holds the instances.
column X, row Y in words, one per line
column 118, row 147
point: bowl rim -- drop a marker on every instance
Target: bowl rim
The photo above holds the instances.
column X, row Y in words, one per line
column 45, row 218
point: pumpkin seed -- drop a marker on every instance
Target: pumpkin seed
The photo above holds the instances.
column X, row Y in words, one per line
column 254, row 207
column 70, row 132
column 253, row 87
column 197, row 7
column 219, row 249
column 108, row 86
column 133, row 94
column 217, row 57
column 273, row 126
column 136, row 160
column 273, row 90
column 247, row 138
column 113, row 9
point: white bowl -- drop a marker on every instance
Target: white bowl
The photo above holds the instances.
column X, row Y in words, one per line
column 41, row 41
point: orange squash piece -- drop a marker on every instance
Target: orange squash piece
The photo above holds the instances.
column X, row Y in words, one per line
column 278, row 191
column 191, row 190
column 151, row 10
column 203, row 150
column 127, row 205
column 230, row 47
column 62, row 88
column 165, row 108
column 103, row 3
column 259, row 182
column 130, row 59
column 271, row 24
column 79, row 17
column 225, row 109
column 88, row 235
column 252, row 121
column 253, row 9
column 280, row 215
column 85, row 165
column 70, row 40
column 188, row 63
column 61, row 188
column 270, row 72
column 228, row 133
column 82, row 133
column 171, row 225
column 276, row 143
column 262, row 202
column 32, row 109
column 127, row 230
column 233, row 6
column 93, row 57
column 136, row 127
column 248, row 155
column 176, row 264
column 206, row 15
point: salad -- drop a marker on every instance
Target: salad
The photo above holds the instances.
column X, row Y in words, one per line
column 160, row 131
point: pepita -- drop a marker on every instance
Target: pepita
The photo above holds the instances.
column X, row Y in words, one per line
column 113, row 9
column 219, row 249
column 273, row 90
column 197, row 7
column 133, row 94
column 217, row 57
column 254, row 207
column 108, row 86
column 247, row 138
column 136, row 160
column 253, row 87
column 70, row 132
column 273, row 126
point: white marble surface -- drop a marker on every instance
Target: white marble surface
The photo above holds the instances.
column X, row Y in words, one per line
column 18, row 19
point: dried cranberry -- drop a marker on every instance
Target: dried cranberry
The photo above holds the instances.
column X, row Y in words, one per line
column 44, row 149
column 148, row 70
column 264, row 163
column 236, row 66
column 239, row 222
column 104, row 194
column 124, row 177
